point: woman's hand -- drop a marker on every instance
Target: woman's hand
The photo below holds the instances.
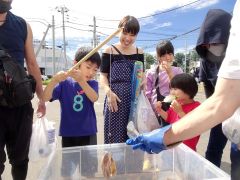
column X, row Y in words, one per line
column 112, row 100
column 166, row 66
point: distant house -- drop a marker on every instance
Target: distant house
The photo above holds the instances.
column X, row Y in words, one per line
column 45, row 59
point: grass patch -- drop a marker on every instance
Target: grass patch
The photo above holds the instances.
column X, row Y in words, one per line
column 46, row 82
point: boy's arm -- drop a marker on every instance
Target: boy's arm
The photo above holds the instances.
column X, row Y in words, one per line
column 47, row 93
column 77, row 75
column 89, row 91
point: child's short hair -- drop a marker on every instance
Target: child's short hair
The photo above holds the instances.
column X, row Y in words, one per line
column 164, row 47
column 186, row 83
column 83, row 51
column 130, row 24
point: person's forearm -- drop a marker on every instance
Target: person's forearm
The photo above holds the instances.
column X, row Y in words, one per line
column 34, row 70
column 31, row 62
column 89, row 91
column 204, row 117
column 181, row 114
column 163, row 114
column 47, row 93
column 192, row 124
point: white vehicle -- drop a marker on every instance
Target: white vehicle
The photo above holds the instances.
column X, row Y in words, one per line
column 44, row 77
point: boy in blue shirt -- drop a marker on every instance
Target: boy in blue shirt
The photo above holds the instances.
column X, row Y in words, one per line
column 76, row 92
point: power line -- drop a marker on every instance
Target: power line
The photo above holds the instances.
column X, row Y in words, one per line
column 169, row 10
column 183, row 34
column 156, row 14
column 174, row 37
column 161, row 34
column 78, row 23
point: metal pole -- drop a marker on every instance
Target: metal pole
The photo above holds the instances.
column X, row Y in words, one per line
column 43, row 39
column 94, row 32
column 64, row 40
column 53, row 47
column 185, row 54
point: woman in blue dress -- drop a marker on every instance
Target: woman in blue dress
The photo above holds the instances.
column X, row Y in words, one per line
column 116, row 74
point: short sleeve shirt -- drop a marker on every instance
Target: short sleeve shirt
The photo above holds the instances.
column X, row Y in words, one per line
column 230, row 67
column 78, row 116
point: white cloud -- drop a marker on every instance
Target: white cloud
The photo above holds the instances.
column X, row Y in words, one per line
column 206, row 3
column 185, row 49
column 166, row 24
column 82, row 12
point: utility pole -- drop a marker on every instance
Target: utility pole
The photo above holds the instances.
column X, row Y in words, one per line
column 53, row 48
column 63, row 10
column 186, row 54
column 42, row 41
column 94, row 32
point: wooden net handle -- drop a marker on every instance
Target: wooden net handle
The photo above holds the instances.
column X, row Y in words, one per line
column 95, row 49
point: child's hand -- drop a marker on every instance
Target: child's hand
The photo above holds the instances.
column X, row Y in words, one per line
column 166, row 66
column 77, row 75
column 60, row 76
column 158, row 106
column 177, row 107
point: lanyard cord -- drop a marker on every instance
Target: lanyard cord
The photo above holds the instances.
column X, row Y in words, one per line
column 110, row 86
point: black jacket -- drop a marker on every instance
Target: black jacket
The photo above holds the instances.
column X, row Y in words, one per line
column 214, row 29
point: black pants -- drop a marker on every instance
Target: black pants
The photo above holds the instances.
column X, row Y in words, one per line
column 235, row 162
column 15, row 134
column 216, row 144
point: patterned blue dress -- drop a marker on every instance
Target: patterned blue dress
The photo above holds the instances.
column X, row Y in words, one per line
column 120, row 74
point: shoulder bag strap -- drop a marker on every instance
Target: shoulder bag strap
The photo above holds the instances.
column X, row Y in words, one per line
column 119, row 52
column 160, row 97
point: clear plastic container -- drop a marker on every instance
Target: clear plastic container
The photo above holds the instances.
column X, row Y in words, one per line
column 85, row 163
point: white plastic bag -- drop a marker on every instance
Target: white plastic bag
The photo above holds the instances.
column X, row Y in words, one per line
column 43, row 139
column 145, row 119
column 231, row 127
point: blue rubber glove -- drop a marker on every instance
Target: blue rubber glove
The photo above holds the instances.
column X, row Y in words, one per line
column 151, row 142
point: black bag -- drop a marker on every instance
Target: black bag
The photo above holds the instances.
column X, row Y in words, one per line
column 160, row 97
column 16, row 87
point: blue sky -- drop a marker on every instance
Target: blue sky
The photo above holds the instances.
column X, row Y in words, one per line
column 79, row 20
column 179, row 22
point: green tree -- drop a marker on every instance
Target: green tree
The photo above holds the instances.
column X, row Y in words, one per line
column 179, row 59
column 194, row 55
column 191, row 58
column 149, row 60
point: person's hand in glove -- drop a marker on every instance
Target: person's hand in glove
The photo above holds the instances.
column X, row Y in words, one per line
column 151, row 142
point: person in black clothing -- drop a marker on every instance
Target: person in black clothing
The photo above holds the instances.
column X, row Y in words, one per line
column 196, row 74
column 16, row 123
column 211, row 47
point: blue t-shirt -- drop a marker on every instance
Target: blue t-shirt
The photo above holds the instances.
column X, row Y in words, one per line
column 78, row 116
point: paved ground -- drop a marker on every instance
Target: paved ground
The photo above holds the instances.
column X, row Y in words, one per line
column 53, row 114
